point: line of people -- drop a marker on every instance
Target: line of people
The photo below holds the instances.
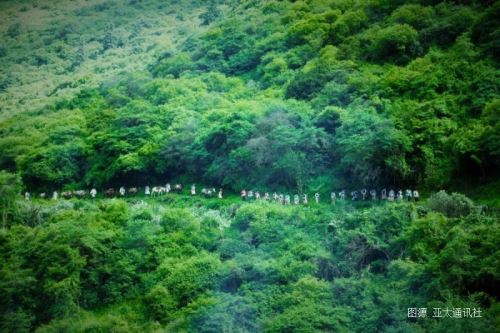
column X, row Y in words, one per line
column 364, row 194
column 123, row 192
column 286, row 199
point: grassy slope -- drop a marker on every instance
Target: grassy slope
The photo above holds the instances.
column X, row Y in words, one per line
column 41, row 42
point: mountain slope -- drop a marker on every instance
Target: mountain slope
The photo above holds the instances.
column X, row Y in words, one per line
column 53, row 50
column 367, row 93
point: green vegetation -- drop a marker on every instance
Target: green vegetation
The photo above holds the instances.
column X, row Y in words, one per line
column 278, row 94
column 54, row 49
column 299, row 96
column 188, row 264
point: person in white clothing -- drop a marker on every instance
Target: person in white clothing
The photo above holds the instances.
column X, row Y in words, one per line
column 416, row 195
column 391, row 195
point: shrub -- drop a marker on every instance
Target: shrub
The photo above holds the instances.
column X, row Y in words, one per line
column 160, row 304
column 454, row 205
column 397, row 43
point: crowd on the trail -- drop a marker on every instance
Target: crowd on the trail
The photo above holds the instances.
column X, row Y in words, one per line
column 126, row 192
column 247, row 195
column 364, row 194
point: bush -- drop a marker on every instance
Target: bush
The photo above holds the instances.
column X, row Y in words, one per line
column 228, row 248
column 160, row 304
column 10, row 186
column 397, row 43
column 414, row 15
column 188, row 278
column 115, row 211
column 348, row 24
column 246, row 215
column 174, row 65
column 454, row 205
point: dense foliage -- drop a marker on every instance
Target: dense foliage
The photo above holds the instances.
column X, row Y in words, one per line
column 285, row 94
column 295, row 96
column 204, row 265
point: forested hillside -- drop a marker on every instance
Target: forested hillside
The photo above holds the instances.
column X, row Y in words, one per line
column 283, row 94
column 54, row 49
column 287, row 96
